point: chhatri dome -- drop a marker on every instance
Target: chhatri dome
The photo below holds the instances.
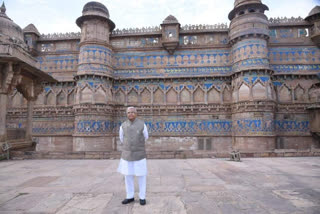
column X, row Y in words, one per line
column 95, row 9
column 313, row 13
column 238, row 3
column 8, row 27
column 170, row 20
column 31, row 29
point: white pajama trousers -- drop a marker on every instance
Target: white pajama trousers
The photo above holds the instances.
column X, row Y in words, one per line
column 134, row 168
column 129, row 180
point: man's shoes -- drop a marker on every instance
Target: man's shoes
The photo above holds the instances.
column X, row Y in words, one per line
column 142, row 202
column 127, row 201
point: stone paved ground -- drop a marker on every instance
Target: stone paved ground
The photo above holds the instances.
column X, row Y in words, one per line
column 261, row 185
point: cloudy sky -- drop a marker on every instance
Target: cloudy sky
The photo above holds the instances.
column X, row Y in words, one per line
column 51, row 16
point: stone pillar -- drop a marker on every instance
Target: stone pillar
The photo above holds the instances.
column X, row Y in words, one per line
column 3, row 113
column 30, row 89
column 30, row 105
column 253, row 98
column 93, row 115
column 6, row 77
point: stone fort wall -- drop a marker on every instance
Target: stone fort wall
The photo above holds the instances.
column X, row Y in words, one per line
column 222, row 88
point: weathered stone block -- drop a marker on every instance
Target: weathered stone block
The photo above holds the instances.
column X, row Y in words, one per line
column 289, row 154
column 92, row 144
column 54, row 143
column 253, row 144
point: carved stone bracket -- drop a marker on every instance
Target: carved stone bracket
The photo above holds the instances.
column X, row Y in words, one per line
column 30, row 89
column 10, row 77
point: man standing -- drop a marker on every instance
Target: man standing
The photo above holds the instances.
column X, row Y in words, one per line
column 133, row 133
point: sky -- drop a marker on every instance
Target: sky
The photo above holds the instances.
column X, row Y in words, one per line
column 59, row 16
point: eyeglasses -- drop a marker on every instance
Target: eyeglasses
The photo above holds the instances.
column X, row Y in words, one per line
column 131, row 112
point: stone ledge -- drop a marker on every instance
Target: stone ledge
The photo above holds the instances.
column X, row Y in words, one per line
column 180, row 154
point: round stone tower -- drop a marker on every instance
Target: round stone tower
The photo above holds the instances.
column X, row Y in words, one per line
column 95, row 50
column 314, row 19
column 93, row 113
column 253, row 94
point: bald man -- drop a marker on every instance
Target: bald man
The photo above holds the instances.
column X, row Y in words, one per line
column 133, row 133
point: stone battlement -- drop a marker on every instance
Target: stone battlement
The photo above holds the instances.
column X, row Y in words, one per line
column 279, row 21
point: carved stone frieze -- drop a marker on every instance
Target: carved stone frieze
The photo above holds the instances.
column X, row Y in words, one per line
column 93, row 109
column 254, row 106
column 292, row 107
column 44, row 111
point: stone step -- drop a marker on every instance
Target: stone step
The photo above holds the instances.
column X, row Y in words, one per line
column 111, row 155
column 183, row 154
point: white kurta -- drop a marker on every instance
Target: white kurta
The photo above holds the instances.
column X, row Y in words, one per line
column 137, row 168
